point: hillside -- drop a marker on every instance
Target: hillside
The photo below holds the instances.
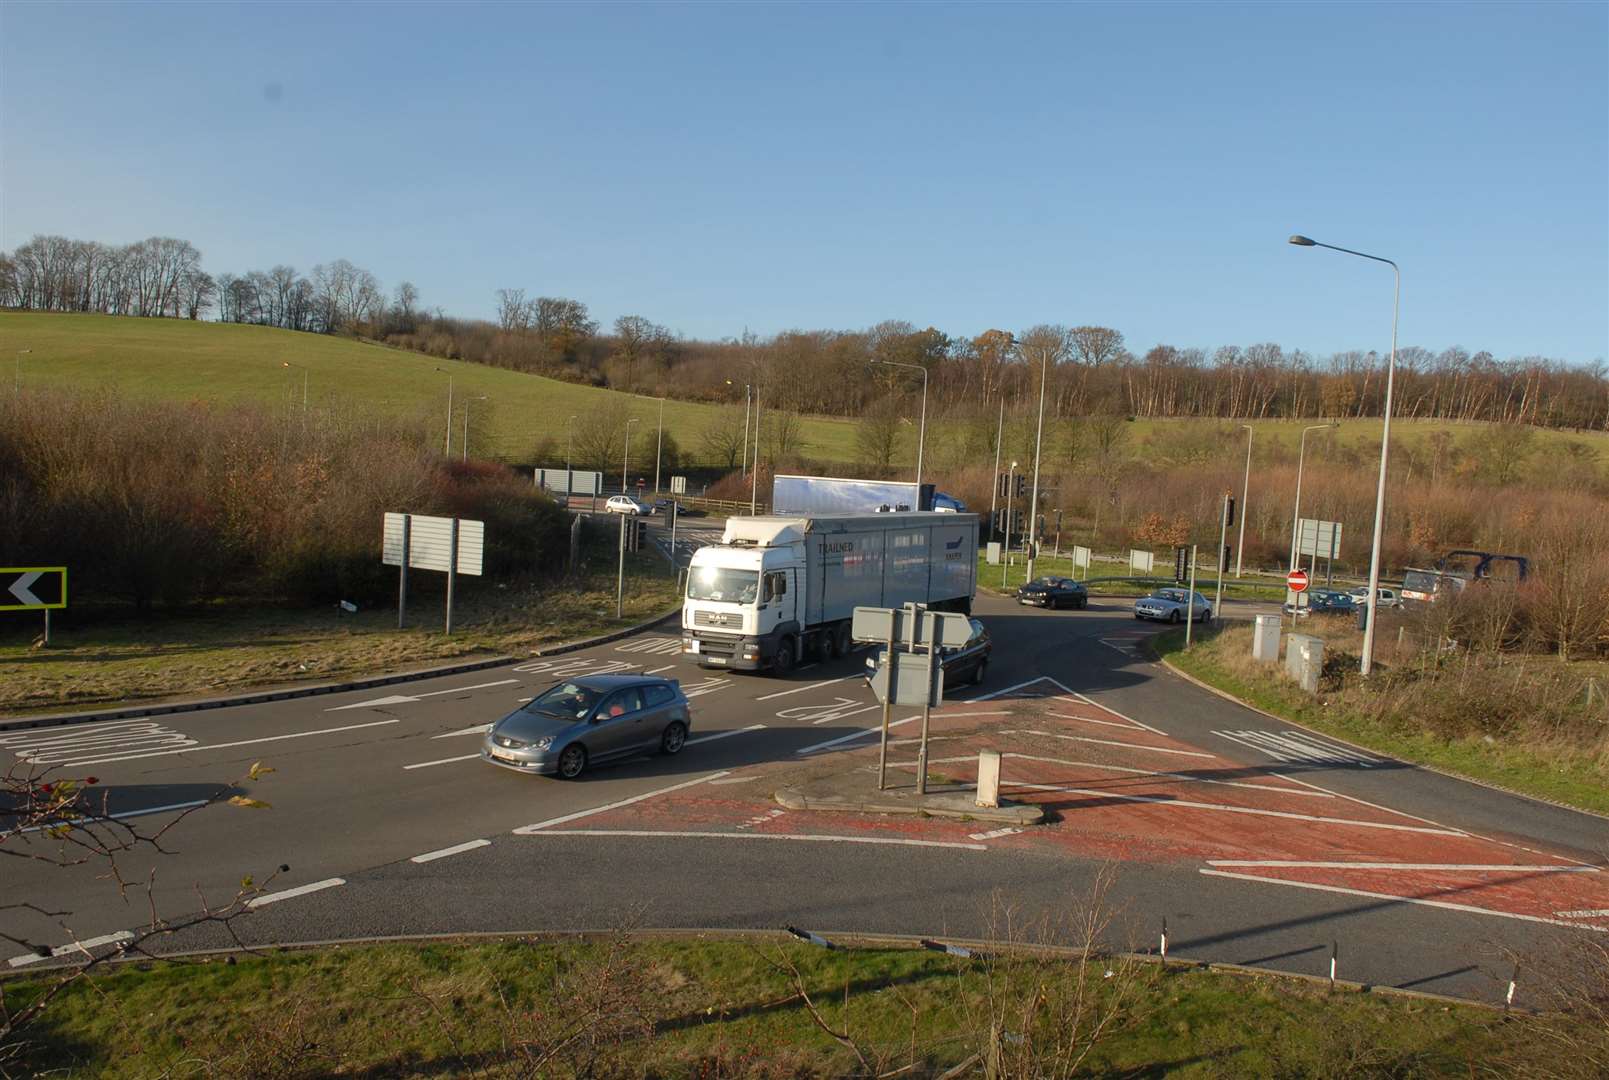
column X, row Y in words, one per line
column 172, row 358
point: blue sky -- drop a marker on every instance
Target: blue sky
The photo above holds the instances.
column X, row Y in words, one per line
column 716, row 167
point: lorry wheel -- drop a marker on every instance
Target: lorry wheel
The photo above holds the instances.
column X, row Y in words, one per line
column 840, row 641
column 783, row 663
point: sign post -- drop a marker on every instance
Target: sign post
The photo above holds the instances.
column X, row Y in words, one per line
column 447, row 545
column 1190, row 606
column 1223, row 538
column 402, row 571
column 34, row 588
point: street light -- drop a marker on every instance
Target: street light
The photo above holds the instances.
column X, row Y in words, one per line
column 625, row 459
column 754, row 480
column 1005, row 562
column 994, row 480
column 1296, row 515
column 289, row 364
column 447, row 451
column 747, row 393
column 1039, row 437
column 1245, row 490
column 659, row 448
column 1385, row 447
column 569, row 443
column 921, row 437
column 16, row 378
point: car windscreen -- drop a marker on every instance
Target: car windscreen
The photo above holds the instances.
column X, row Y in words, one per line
column 570, row 700
column 721, row 584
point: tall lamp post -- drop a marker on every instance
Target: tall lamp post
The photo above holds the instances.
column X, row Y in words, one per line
column 747, row 393
column 659, row 449
column 754, row 477
column 625, row 459
column 1296, row 515
column 1245, row 493
column 447, row 450
column 1005, row 561
column 921, row 435
column 569, row 471
column 1385, row 446
column 1039, row 437
column 999, row 438
column 16, row 375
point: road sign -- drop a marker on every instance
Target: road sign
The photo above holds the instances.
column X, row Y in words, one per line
column 430, row 543
column 913, row 672
column 1319, row 538
column 1296, row 580
column 33, row 588
column 880, row 624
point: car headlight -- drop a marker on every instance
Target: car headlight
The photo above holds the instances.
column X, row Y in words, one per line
column 543, row 743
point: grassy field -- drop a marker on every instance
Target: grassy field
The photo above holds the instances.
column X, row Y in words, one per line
column 178, row 359
column 725, row 1008
column 114, row 657
column 1571, row 771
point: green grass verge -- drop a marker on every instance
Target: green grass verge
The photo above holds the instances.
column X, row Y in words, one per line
column 712, row 1007
column 95, row 659
column 177, row 359
column 1220, row 657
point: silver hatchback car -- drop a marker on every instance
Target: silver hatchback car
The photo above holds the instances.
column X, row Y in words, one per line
column 590, row 720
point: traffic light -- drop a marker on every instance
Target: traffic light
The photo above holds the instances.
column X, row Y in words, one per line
column 1022, row 485
column 1229, row 511
column 1181, row 564
column 1223, row 566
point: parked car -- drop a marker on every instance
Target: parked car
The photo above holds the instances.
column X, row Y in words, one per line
column 590, row 720
column 969, row 662
column 1326, row 602
column 1171, row 605
column 1383, row 597
column 624, row 504
column 1054, row 592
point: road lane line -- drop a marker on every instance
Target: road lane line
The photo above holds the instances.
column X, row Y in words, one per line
column 72, row 946
column 1448, row 905
column 1595, row 913
column 995, row 834
column 526, row 830
column 478, row 729
column 813, row 747
column 724, row 734
column 1298, row 865
column 733, row 780
column 1162, row 800
column 456, row 849
column 1092, row 720
column 119, row 816
column 1172, row 775
column 819, row 837
column 1091, row 701
column 466, row 689
column 300, row 890
column 802, row 689
column 657, row 670
column 441, row 761
column 1131, row 746
column 231, row 745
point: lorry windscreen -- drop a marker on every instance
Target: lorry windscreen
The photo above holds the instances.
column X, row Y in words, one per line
column 720, row 584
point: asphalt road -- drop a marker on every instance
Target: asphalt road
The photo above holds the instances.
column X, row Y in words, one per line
column 390, row 825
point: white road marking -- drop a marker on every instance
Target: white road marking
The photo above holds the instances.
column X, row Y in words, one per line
column 119, row 816
column 56, row 746
column 1092, row 720
column 1086, row 699
column 813, row 747
column 72, row 946
column 564, row 666
column 1400, row 899
column 840, row 708
column 300, row 890
column 802, row 689
column 1162, row 800
column 1174, row 776
column 1127, row 745
column 1002, row 693
column 708, row 686
column 527, row 830
column 994, row 834
column 657, row 670
column 230, row 745
column 733, row 780
column 724, row 734
column 456, row 849
column 478, row 729
column 1299, row 746
column 662, row 646
column 1595, row 913
column 1294, row 864
column 770, row 836
column 403, row 699
column 442, row 761
column 761, row 819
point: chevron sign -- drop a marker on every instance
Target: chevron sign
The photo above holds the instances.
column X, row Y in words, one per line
column 33, row 588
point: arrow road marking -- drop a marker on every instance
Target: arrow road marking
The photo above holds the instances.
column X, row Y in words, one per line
column 402, row 699
column 20, row 587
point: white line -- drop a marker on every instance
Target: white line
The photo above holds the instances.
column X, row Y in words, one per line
column 72, row 946
column 1091, row 701
column 1018, row 686
column 1547, row 867
column 229, row 745
column 995, row 833
column 1173, row 775
column 1401, row 899
column 724, row 734
column 1595, row 913
column 466, row 689
column 813, row 747
column 802, row 689
column 300, row 890
column 770, row 836
column 733, row 780
column 125, row 814
column 1092, row 720
column 441, row 761
column 478, row 729
column 456, row 849
column 1229, row 809
column 657, row 670
column 526, row 830
column 1131, row 746
column 830, row 717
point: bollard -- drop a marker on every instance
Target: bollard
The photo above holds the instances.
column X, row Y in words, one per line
column 1164, row 941
column 988, row 778
column 1335, row 956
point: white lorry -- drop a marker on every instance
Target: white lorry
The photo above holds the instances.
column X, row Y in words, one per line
column 776, row 589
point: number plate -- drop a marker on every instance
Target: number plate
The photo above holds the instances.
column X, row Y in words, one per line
column 507, row 758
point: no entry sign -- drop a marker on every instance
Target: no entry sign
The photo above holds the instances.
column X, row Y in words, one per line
column 1296, row 581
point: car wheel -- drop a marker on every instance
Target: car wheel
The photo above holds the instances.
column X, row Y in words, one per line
column 1083, row 603
column 1173, row 617
column 784, row 658
column 841, row 641
column 980, row 671
column 573, row 761
column 674, row 739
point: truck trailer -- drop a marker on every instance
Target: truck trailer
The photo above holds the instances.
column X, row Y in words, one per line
column 778, row 588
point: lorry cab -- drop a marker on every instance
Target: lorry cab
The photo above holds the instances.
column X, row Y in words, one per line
column 742, row 609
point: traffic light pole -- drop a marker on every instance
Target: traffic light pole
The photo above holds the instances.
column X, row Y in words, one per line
column 1223, row 536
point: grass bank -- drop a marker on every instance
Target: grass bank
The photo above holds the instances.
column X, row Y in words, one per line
column 613, row 1007
column 1005, row 580
column 218, row 648
column 1520, row 722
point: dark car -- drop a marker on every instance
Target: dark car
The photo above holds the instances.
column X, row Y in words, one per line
column 967, row 663
column 1327, row 602
column 590, row 720
column 1054, row 592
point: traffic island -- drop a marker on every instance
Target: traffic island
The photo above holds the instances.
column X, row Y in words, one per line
column 854, row 791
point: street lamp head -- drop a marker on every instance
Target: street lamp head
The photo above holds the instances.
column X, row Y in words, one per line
column 1302, row 241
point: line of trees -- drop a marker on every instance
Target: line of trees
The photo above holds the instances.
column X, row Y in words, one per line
column 824, row 372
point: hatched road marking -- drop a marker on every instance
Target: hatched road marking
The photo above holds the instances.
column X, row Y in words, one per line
column 1298, row 746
